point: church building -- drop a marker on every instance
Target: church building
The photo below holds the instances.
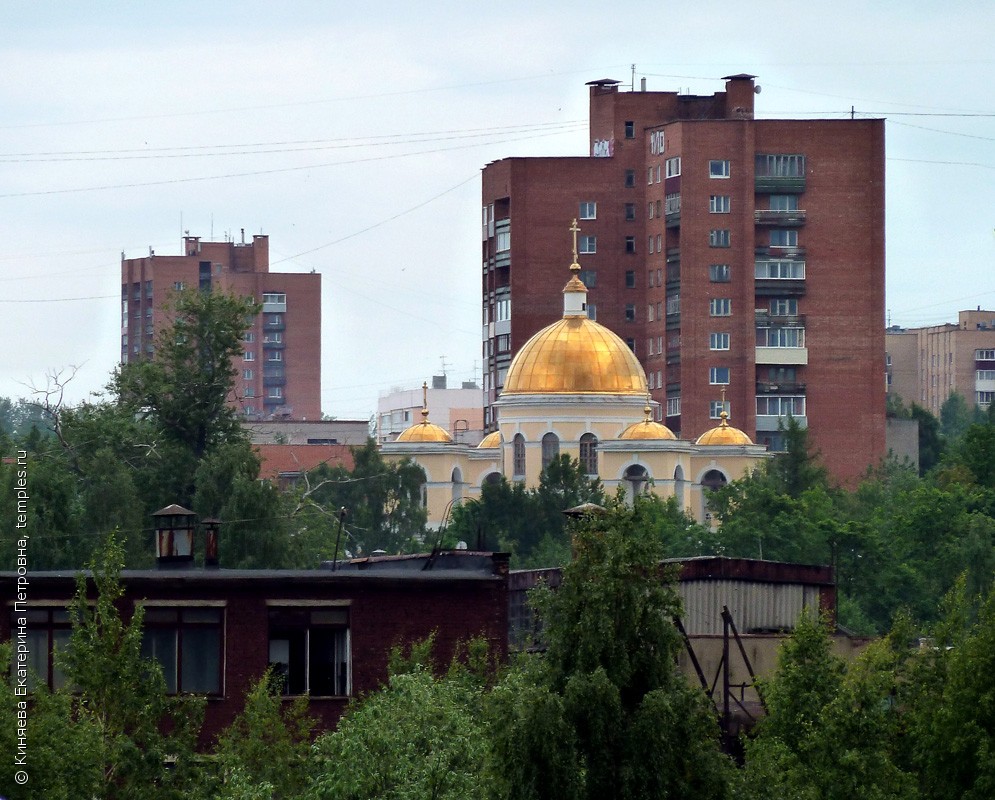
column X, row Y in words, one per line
column 576, row 388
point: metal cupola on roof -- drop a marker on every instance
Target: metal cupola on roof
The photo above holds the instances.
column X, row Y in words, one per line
column 647, row 428
column 724, row 433
column 425, row 431
column 575, row 355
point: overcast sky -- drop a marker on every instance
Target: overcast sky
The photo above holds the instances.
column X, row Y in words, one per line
column 353, row 134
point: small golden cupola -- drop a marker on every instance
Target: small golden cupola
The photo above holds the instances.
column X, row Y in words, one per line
column 724, row 433
column 425, row 431
column 647, row 428
column 575, row 355
column 490, row 441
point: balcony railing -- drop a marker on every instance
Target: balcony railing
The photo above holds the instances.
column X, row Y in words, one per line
column 780, row 219
column 768, row 251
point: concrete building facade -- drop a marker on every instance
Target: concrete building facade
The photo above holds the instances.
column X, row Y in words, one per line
column 925, row 365
column 279, row 373
column 460, row 411
column 726, row 251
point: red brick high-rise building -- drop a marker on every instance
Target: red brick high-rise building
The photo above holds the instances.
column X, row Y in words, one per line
column 728, row 252
column 279, row 373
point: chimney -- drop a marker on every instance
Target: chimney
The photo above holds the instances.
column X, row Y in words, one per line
column 174, row 526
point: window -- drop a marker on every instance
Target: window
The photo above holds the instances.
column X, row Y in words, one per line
column 779, row 269
column 781, row 406
column 309, row 650
column 719, row 273
column 649, row 209
column 985, row 375
column 630, row 212
column 274, row 355
column 720, row 307
column 659, row 243
column 274, row 319
column 719, row 204
column 649, row 244
column 589, row 453
column 630, row 179
column 716, row 407
column 502, row 241
column 275, row 337
column 274, row 298
column 275, row 392
column 518, row 456
column 649, row 278
column 179, row 286
column 784, row 202
column 550, row 449
column 672, row 204
column 673, row 167
column 588, row 210
column 719, row 238
column 673, row 304
column 187, row 643
column 248, row 355
column 718, row 169
column 649, row 175
column 630, row 129
column 249, row 391
column 649, row 313
column 249, row 337
column 984, row 355
column 649, row 381
column 718, row 375
column 631, row 344
column 630, row 312
column 503, row 343
column 48, row 631
column 657, row 173
column 503, row 309
column 630, row 244
column 592, row 311
column 780, row 337
column 630, row 279
column 673, row 406
column 780, row 166
column 718, row 341
column 984, row 398
column 588, row 244
column 783, row 238
column 784, row 307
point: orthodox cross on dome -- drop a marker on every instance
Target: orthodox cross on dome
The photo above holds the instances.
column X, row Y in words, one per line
column 424, row 402
column 723, row 414
column 575, row 229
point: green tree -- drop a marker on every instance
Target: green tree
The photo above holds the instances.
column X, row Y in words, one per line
column 266, row 750
column 930, row 441
column 420, row 737
column 955, row 417
column 146, row 738
column 609, row 678
column 186, row 386
column 383, row 501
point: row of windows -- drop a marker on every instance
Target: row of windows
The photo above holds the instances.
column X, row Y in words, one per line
column 551, row 450
column 984, row 355
column 985, row 375
column 308, row 647
column 271, row 355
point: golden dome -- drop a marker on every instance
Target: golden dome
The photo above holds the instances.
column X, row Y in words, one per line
column 647, row 429
column 575, row 355
column 425, row 431
column 724, row 433
column 492, row 439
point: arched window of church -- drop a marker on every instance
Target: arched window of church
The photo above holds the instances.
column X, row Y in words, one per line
column 457, row 481
column 518, row 456
column 550, row 449
column 679, row 485
column 710, row 481
column 589, row 453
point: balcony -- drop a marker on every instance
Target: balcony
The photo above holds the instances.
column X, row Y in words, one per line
column 769, row 422
column 779, row 287
column 764, row 319
column 779, row 219
column 768, row 251
column 782, row 356
column 275, row 380
column 782, row 387
column 275, row 326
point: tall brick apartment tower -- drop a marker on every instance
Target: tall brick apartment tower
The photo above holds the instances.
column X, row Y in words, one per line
column 279, row 373
column 728, row 252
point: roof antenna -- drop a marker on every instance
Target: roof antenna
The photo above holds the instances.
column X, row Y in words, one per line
column 633, row 85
